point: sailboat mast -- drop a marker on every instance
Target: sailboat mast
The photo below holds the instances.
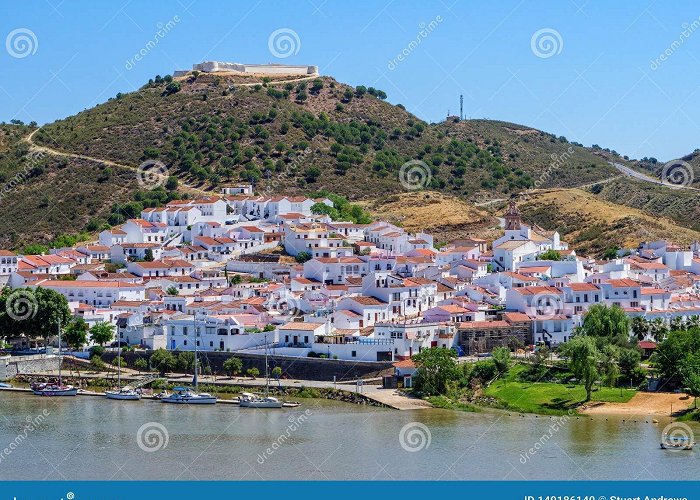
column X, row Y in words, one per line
column 119, row 364
column 59, row 351
column 267, row 377
column 194, row 320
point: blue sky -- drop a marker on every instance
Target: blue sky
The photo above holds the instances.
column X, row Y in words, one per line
column 603, row 82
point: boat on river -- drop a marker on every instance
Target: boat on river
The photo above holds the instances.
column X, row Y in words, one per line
column 248, row 400
column 58, row 388
column 186, row 395
column 669, row 442
column 125, row 393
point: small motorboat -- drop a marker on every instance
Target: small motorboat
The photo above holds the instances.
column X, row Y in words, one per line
column 3, row 385
column 126, row 393
column 248, row 400
column 185, row 395
column 669, row 442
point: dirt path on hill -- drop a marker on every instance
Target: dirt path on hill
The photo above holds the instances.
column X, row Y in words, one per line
column 657, row 404
column 55, row 152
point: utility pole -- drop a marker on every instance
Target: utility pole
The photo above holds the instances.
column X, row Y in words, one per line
column 461, row 107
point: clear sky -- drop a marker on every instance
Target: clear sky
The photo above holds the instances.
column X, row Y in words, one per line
column 596, row 77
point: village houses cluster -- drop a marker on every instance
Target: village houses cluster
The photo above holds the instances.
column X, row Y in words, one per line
column 211, row 271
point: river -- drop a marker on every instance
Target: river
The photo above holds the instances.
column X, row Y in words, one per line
column 93, row 438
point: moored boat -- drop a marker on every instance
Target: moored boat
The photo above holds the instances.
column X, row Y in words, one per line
column 57, row 389
column 185, row 395
column 248, row 400
column 126, row 393
column 46, row 389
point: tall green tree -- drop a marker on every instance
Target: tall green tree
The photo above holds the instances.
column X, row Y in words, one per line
column 102, row 332
column 501, row 358
column 608, row 324
column 233, row 366
column 76, row 333
column 163, row 361
column 583, row 360
column 640, row 327
column 32, row 311
column 435, row 368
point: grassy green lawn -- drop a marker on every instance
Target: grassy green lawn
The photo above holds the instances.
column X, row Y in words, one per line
column 548, row 398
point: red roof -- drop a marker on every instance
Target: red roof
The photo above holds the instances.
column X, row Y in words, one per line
column 647, row 344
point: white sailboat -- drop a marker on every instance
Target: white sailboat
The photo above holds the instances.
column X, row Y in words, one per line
column 248, row 400
column 57, row 389
column 185, row 395
column 125, row 393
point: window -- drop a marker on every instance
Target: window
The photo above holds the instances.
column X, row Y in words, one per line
column 353, row 354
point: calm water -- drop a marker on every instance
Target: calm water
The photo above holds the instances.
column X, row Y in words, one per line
column 93, row 438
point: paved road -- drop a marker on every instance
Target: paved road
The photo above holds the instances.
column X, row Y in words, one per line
column 647, row 178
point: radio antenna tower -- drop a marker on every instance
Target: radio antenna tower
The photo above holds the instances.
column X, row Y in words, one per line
column 461, row 106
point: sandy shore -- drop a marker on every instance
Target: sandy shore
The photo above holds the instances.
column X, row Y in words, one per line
column 642, row 404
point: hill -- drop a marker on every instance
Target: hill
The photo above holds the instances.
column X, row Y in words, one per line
column 287, row 137
column 592, row 225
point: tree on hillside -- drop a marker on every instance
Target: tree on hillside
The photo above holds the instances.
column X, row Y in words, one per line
column 76, row 333
column 435, row 368
column 323, row 209
column 608, row 324
column 583, row 360
column 101, row 333
column 171, row 290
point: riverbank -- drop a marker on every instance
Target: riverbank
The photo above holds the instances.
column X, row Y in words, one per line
column 227, row 389
column 643, row 404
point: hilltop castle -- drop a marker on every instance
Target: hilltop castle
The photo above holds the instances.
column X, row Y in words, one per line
column 251, row 69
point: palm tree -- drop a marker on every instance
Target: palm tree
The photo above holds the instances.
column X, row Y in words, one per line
column 678, row 323
column 692, row 321
column 640, row 327
column 659, row 329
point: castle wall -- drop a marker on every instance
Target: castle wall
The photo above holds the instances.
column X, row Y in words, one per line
column 260, row 69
